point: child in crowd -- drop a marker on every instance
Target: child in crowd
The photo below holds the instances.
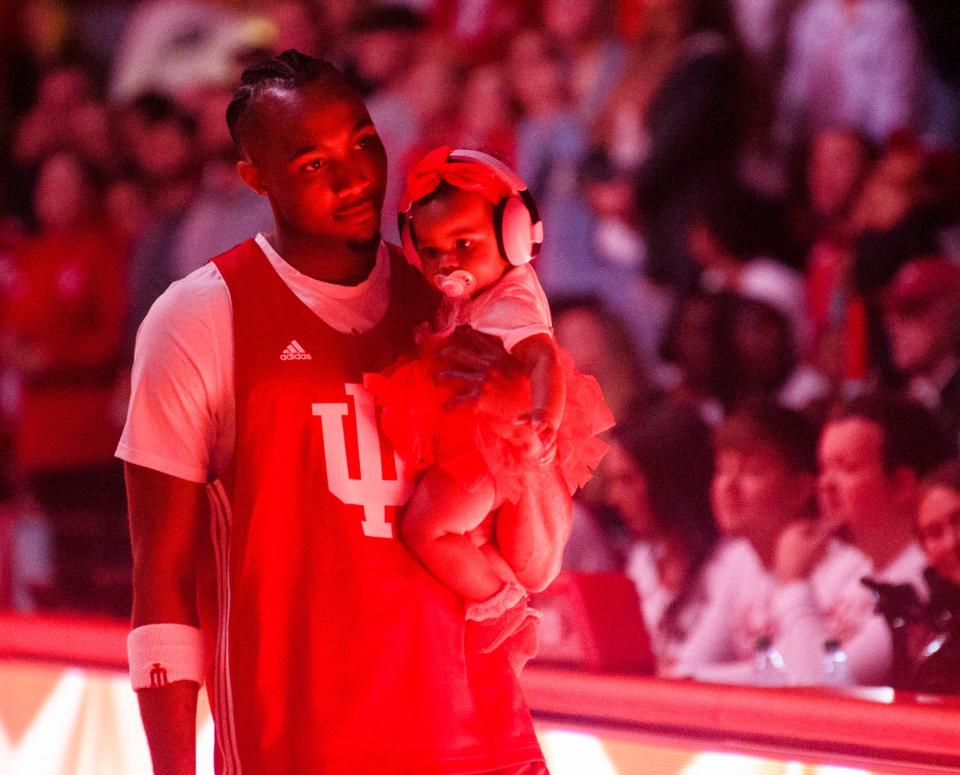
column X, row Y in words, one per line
column 469, row 223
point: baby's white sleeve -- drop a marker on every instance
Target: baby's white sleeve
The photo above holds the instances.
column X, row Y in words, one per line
column 515, row 309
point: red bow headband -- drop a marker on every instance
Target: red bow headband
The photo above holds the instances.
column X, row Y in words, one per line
column 436, row 167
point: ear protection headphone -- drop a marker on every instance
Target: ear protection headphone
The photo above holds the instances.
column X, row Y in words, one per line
column 516, row 221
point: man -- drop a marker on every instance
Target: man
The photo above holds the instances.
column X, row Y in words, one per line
column 852, row 63
column 763, row 491
column 329, row 648
column 873, row 452
column 922, row 319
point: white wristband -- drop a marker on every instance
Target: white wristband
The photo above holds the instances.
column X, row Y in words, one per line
column 160, row 654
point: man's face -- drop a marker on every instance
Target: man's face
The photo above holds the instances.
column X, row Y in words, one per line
column 853, row 485
column 920, row 334
column 316, row 154
column 753, row 489
column 627, row 492
column 837, row 163
column 938, row 525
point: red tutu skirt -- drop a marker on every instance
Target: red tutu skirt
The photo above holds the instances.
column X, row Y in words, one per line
column 481, row 439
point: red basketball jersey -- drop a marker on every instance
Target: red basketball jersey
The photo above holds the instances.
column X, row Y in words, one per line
column 334, row 651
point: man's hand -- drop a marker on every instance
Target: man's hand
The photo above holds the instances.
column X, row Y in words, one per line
column 172, row 709
column 468, row 359
column 800, row 547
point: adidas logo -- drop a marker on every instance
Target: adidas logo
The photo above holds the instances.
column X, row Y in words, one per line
column 294, row 352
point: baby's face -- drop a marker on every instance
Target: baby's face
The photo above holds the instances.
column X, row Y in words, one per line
column 454, row 232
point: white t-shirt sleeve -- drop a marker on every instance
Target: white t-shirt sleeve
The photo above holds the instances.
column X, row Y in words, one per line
column 710, row 640
column 514, row 309
column 181, row 416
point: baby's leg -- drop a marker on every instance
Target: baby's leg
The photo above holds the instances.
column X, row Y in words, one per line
column 435, row 527
column 514, row 537
column 497, row 563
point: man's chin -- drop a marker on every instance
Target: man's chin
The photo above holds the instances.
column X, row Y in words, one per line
column 361, row 244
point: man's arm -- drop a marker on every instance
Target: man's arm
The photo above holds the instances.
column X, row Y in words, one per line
column 165, row 516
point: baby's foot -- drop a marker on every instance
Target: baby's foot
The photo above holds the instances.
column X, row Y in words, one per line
column 490, row 622
column 522, row 645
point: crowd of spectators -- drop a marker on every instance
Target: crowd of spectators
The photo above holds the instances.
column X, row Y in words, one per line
column 752, row 213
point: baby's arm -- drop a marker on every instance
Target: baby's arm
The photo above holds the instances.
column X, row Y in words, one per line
column 538, row 357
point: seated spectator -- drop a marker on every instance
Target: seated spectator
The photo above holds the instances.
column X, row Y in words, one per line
column 873, row 452
column 38, row 36
column 838, row 163
column 385, row 40
column 479, row 28
column 601, row 345
column 834, row 171
column 854, row 63
column 765, row 486
column 938, row 521
column 224, row 211
column 926, row 633
column 938, row 525
column 618, row 252
column 898, row 215
column 739, row 239
column 617, row 240
column 61, row 332
column 158, row 136
column 551, row 144
column 696, row 354
column 593, row 58
column 486, row 115
column 431, row 90
column 658, row 480
column 762, row 348
column 162, row 140
column 694, row 125
column 598, row 541
column 922, row 321
column 761, row 27
column 64, row 116
column 764, row 355
column 296, row 24
column 620, row 130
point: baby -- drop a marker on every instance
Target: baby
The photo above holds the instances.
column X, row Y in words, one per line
column 469, row 224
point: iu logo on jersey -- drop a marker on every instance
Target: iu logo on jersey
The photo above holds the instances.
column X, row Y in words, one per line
column 371, row 490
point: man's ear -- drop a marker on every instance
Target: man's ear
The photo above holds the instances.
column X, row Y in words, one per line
column 251, row 176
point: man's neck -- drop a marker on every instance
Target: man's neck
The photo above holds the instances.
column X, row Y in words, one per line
column 328, row 261
column 765, row 545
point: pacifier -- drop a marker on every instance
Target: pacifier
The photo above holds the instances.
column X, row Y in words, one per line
column 456, row 284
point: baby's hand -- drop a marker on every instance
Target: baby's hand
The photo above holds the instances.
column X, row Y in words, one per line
column 542, row 444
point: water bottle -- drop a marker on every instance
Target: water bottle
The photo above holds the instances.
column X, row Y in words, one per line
column 836, row 668
column 768, row 668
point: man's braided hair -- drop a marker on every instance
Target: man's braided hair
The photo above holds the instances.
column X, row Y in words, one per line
column 289, row 70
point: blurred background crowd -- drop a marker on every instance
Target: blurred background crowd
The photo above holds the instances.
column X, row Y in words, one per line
column 752, row 240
